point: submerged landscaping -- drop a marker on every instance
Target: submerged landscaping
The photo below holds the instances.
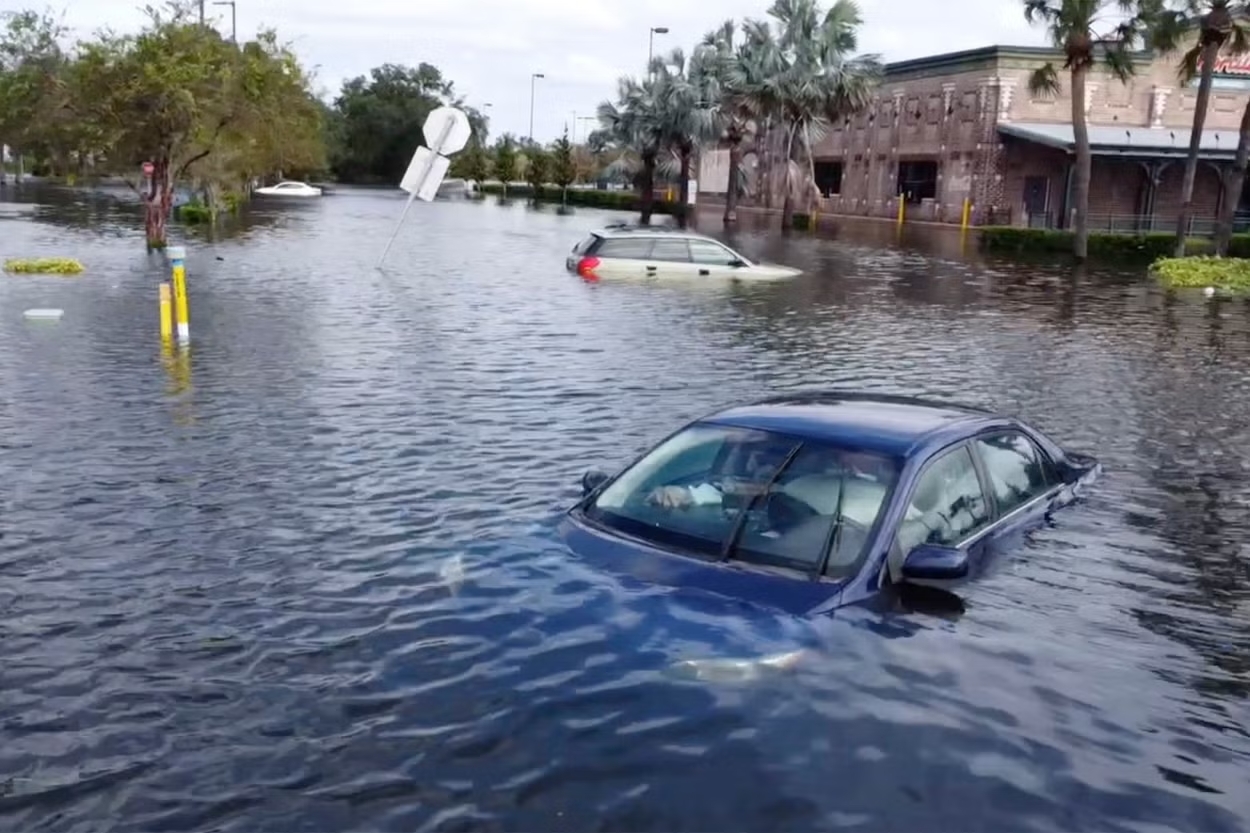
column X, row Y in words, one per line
column 1227, row 273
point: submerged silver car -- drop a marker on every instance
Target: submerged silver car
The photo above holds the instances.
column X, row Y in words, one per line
column 630, row 251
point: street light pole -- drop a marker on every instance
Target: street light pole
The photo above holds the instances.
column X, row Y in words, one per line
column 234, row 29
column 201, row 12
column 655, row 30
column 533, row 76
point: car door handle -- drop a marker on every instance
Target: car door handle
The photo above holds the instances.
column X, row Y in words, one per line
column 704, row 272
column 650, row 268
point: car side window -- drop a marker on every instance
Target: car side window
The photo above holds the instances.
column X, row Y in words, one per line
column 671, row 251
column 1018, row 470
column 946, row 505
column 710, row 254
column 625, row 248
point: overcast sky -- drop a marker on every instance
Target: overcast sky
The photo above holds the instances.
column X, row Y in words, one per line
column 489, row 48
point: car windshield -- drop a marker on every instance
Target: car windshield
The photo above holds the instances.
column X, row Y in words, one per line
column 754, row 496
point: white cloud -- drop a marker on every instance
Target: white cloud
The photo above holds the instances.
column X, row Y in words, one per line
column 489, row 48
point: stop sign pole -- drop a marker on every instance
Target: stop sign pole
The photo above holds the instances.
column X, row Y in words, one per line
column 447, row 130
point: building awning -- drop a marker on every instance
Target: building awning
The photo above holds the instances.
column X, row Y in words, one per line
column 1128, row 141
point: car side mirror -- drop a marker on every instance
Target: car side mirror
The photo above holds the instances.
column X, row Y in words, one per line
column 737, row 262
column 592, row 480
column 935, row 563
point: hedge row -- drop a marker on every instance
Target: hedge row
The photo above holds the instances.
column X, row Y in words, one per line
column 589, row 198
column 1146, row 246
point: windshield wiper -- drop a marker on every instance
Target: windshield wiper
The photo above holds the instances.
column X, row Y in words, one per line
column 740, row 520
column 835, row 534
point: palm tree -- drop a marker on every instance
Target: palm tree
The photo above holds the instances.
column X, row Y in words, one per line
column 634, row 122
column 1076, row 28
column 806, row 80
column 736, row 67
column 688, row 95
column 1234, row 183
column 1219, row 25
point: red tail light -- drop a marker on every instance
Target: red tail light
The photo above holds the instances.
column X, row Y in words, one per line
column 586, row 267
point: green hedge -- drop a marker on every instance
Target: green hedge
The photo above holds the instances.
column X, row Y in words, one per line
column 1146, row 246
column 1231, row 273
column 590, row 198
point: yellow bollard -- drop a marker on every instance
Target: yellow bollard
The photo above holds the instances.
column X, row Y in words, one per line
column 182, row 316
column 967, row 214
column 167, row 313
column 901, row 209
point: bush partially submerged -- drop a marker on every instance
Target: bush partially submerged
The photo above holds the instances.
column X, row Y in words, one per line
column 1219, row 272
column 44, row 266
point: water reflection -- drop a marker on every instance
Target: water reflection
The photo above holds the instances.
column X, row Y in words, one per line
column 228, row 572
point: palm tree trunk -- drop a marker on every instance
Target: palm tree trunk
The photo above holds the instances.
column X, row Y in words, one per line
column 787, row 205
column 647, row 197
column 1210, row 52
column 683, row 189
column 1233, row 185
column 1080, row 184
column 735, row 163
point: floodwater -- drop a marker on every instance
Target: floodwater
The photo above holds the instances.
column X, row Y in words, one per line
column 304, row 578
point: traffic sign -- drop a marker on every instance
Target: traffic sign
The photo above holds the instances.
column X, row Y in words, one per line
column 447, row 131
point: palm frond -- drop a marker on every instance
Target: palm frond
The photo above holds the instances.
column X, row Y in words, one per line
column 1044, row 80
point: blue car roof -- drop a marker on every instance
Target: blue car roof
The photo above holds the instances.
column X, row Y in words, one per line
column 892, row 425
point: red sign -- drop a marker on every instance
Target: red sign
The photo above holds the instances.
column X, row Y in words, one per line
column 1231, row 65
column 148, row 167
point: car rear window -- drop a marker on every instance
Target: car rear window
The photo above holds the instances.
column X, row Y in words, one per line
column 637, row 248
column 586, row 245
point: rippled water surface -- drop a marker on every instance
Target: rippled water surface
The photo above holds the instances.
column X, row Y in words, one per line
column 306, row 578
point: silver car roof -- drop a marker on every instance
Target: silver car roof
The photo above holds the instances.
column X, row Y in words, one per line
column 617, row 230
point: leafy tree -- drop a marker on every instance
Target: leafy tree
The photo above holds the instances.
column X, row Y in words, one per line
column 564, row 168
column 472, row 163
column 378, row 120
column 537, row 169
column 505, row 162
column 1074, row 26
column 32, row 68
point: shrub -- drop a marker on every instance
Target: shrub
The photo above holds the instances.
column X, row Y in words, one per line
column 589, row 198
column 1103, row 245
column 1219, row 272
column 44, row 266
column 801, row 221
column 194, row 213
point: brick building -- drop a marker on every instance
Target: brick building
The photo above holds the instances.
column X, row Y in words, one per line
column 964, row 125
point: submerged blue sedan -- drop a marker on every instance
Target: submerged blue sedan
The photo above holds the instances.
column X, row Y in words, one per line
column 810, row 502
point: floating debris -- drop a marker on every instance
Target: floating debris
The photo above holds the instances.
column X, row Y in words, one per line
column 44, row 314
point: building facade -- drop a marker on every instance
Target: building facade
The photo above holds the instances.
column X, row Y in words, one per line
column 964, row 126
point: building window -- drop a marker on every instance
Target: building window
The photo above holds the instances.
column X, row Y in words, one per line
column 917, row 179
column 828, row 177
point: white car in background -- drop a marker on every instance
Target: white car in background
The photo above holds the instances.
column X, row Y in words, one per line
column 635, row 251
column 289, row 189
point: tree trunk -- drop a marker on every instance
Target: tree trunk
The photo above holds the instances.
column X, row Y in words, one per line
column 1080, row 183
column 787, row 205
column 1234, row 183
column 647, row 198
column 765, row 157
column 157, row 205
column 735, row 163
column 683, row 188
column 1210, row 53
